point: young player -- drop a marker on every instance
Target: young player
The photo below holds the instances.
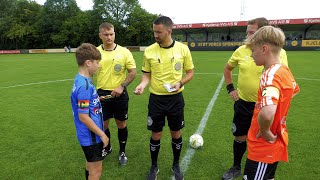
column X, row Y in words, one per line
column 245, row 95
column 268, row 135
column 87, row 111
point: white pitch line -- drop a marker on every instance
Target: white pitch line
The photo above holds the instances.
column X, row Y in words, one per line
column 308, row 79
column 47, row 82
column 29, row 84
column 190, row 151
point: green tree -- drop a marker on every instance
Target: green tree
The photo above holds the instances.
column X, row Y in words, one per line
column 55, row 13
column 115, row 10
column 132, row 23
column 6, row 6
column 139, row 27
column 25, row 24
column 79, row 29
column 19, row 24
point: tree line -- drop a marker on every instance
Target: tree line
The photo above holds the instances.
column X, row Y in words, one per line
column 25, row 24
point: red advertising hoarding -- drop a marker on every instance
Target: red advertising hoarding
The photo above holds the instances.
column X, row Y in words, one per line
column 244, row 23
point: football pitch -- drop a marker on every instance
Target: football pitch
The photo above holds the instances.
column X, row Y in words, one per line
column 38, row 138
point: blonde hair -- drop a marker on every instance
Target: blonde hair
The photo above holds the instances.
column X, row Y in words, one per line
column 267, row 34
column 106, row 25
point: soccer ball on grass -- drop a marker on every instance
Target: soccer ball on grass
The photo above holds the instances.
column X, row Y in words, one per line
column 196, row 141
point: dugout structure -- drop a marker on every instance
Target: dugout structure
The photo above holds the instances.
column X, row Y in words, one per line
column 301, row 34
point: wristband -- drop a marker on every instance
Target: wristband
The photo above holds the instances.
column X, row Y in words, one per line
column 230, row 88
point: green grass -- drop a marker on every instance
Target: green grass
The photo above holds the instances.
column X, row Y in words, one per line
column 38, row 135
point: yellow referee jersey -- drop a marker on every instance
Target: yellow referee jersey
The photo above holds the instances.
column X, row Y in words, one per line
column 249, row 73
column 166, row 65
column 113, row 67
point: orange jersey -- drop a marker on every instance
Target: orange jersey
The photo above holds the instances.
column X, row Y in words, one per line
column 277, row 87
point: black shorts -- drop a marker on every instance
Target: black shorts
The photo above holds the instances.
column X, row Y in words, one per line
column 95, row 152
column 170, row 106
column 243, row 112
column 115, row 107
column 258, row 170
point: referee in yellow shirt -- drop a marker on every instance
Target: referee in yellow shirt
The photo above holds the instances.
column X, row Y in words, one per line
column 245, row 95
column 112, row 80
column 163, row 65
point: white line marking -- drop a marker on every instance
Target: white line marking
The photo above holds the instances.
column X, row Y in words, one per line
column 190, row 151
column 308, row 79
column 62, row 80
column 29, row 84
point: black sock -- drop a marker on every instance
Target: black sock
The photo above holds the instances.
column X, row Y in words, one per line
column 176, row 149
column 107, row 132
column 87, row 174
column 239, row 148
column 154, row 151
column 122, row 137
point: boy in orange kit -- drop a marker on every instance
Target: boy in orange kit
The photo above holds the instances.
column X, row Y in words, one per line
column 268, row 135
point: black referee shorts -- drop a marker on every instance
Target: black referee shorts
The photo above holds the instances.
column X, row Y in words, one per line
column 170, row 106
column 115, row 107
column 243, row 112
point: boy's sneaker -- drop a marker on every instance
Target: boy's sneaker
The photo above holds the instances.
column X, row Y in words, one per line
column 177, row 172
column 233, row 172
column 152, row 175
column 123, row 158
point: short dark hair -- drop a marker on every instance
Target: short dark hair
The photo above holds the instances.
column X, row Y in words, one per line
column 262, row 21
column 166, row 21
column 87, row 51
column 106, row 25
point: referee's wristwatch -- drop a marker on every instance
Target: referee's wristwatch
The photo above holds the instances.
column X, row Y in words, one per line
column 181, row 85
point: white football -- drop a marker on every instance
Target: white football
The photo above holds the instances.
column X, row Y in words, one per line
column 196, row 141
